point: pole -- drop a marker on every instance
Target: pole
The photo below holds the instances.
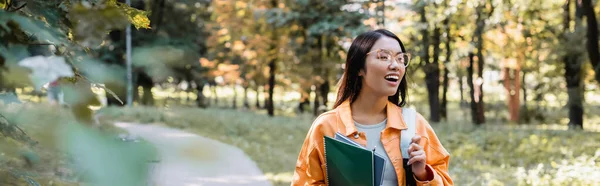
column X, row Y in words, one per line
column 128, row 61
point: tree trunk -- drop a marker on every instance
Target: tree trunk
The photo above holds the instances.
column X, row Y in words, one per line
column 265, row 96
column 574, row 91
column 512, row 85
column 526, row 117
column 324, row 91
column 304, row 100
column 461, row 80
column 246, row 102
column 158, row 7
column 444, row 104
column 432, row 78
column 146, row 82
column 477, row 103
column 316, row 102
column 272, row 66
column 258, row 97
column 472, row 87
column 592, row 36
column 235, row 95
column 270, row 106
column 200, row 99
column 573, row 64
column 425, row 33
column 215, row 95
column 524, row 89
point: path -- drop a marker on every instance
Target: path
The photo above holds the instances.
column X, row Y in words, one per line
column 191, row 160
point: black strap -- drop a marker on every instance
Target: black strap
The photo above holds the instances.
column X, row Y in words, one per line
column 410, row 179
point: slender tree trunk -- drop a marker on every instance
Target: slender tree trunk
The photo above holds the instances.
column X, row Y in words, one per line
column 146, row 82
column 272, row 66
column 316, row 102
column 258, row 97
column 524, row 89
column 265, row 96
column 512, row 85
column 477, row 104
column 573, row 64
column 215, row 95
column 526, row 116
column 200, row 98
column 246, row 102
column 235, row 95
column 461, row 80
column 443, row 105
column 425, row 34
column 472, row 88
column 324, row 91
column 592, row 36
column 432, row 78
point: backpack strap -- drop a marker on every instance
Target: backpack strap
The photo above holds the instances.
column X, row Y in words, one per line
column 406, row 135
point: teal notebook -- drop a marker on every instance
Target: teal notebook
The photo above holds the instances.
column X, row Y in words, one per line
column 350, row 164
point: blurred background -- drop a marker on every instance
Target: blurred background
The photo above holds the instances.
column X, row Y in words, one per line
column 509, row 86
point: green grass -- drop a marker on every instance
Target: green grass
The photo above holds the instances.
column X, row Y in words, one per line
column 490, row 155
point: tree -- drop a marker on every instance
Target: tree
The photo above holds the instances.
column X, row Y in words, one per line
column 476, row 85
column 573, row 64
column 592, row 36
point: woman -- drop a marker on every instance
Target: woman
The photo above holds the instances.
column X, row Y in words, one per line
column 368, row 110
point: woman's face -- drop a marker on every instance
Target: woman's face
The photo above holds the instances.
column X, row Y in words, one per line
column 382, row 74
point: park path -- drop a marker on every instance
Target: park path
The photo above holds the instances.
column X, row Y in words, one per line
column 188, row 159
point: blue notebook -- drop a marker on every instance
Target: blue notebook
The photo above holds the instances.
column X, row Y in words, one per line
column 378, row 160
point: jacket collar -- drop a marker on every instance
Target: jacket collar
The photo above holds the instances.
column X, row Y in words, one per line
column 394, row 117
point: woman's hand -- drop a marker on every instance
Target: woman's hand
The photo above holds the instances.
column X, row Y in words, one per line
column 417, row 158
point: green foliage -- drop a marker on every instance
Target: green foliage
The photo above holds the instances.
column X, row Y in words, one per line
column 91, row 24
column 34, row 30
column 107, row 160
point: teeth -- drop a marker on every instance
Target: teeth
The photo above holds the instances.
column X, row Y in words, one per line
column 392, row 77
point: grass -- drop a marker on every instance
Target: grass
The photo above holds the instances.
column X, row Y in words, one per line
column 493, row 154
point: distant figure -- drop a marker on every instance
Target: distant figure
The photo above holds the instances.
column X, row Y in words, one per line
column 369, row 110
column 55, row 95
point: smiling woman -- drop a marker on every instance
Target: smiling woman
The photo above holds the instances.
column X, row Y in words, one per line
column 369, row 111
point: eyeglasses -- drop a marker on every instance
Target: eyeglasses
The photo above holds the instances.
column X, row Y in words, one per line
column 386, row 56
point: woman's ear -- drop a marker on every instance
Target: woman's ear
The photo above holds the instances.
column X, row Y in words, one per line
column 361, row 72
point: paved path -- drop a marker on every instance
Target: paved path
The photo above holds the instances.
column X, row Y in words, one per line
column 191, row 160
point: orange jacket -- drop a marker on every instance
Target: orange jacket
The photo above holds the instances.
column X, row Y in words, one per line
column 310, row 167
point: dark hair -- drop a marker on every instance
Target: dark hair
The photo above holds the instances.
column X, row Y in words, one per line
column 351, row 83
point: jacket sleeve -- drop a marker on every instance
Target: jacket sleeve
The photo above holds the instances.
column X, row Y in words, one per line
column 437, row 157
column 310, row 170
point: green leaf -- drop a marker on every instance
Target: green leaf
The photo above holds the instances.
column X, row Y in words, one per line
column 138, row 18
column 42, row 31
column 92, row 24
column 3, row 4
column 108, row 160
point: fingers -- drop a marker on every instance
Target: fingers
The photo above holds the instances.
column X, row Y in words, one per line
column 416, row 139
column 414, row 147
column 418, row 158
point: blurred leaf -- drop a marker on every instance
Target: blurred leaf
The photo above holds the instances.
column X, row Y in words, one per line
column 99, row 72
column 46, row 69
column 78, row 93
column 107, row 160
column 43, row 32
column 138, row 18
column 92, row 24
column 3, row 4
